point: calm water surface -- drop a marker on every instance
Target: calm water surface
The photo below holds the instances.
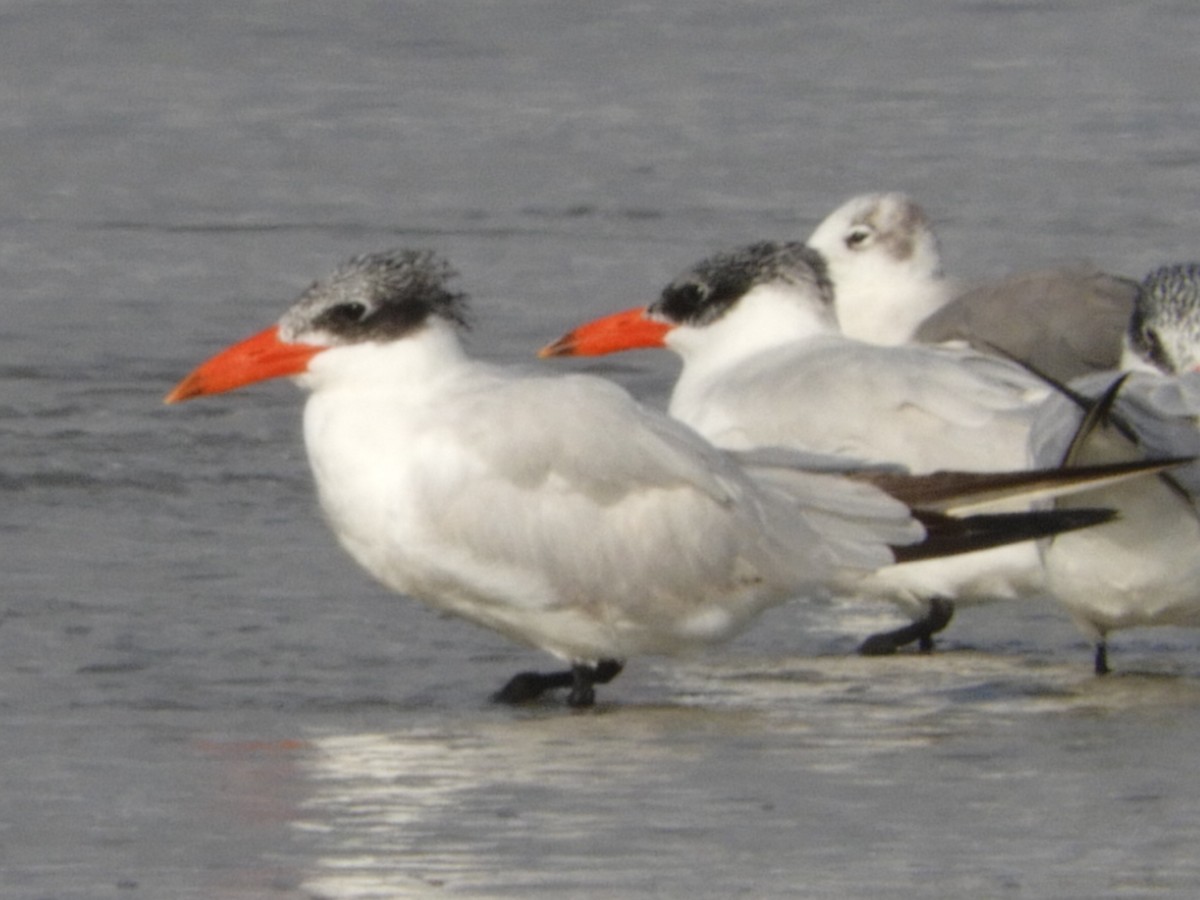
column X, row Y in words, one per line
column 201, row 697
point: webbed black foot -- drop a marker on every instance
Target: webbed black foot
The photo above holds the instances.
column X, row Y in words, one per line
column 581, row 679
column 940, row 613
column 525, row 687
column 1101, row 659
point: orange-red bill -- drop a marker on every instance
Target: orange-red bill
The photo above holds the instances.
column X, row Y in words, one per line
column 628, row 330
column 257, row 358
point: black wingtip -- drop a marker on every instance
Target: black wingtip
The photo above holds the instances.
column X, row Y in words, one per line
column 950, row 536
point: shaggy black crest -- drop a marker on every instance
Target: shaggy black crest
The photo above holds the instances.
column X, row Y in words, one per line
column 710, row 288
column 380, row 297
column 1167, row 302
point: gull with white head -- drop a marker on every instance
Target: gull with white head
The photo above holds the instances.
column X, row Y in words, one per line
column 884, row 260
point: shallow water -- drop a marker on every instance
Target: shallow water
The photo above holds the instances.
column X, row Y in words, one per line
column 203, row 698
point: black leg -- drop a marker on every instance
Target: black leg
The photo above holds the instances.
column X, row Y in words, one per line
column 581, row 678
column 1101, row 663
column 940, row 613
column 586, row 677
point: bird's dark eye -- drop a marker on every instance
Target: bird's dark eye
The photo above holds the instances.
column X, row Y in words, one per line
column 345, row 314
column 681, row 302
column 1153, row 350
column 691, row 295
column 857, row 237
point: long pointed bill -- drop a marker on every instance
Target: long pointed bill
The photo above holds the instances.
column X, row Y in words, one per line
column 257, row 358
column 628, row 330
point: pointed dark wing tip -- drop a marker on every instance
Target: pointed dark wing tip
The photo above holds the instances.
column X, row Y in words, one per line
column 950, row 536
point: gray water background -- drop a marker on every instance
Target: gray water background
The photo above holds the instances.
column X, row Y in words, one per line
column 201, row 697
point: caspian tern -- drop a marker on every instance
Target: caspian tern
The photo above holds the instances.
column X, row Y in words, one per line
column 1143, row 569
column 764, row 363
column 884, row 261
column 554, row 510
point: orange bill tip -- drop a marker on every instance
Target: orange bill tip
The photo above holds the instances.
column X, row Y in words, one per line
column 257, row 358
column 627, row 330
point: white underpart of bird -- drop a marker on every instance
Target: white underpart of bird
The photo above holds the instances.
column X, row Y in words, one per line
column 765, row 363
column 1144, row 568
column 885, row 262
column 552, row 509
